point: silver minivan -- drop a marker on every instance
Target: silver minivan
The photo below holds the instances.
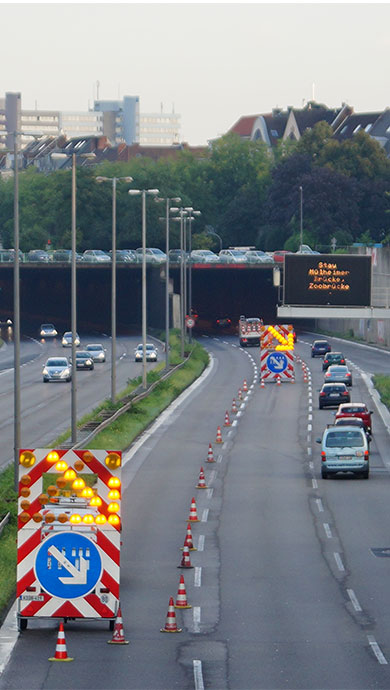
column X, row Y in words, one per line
column 344, row 449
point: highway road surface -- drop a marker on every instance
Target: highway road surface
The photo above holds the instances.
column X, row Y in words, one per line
column 289, row 585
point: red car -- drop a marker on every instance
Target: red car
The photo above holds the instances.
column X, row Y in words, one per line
column 279, row 255
column 356, row 410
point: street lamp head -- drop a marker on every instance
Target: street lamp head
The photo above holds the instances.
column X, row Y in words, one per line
column 176, row 200
column 188, row 208
column 152, row 191
column 134, row 192
column 100, row 179
column 197, row 213
column 173, row 209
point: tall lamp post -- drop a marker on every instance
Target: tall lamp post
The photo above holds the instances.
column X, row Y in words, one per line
column 73, row 403
column 191, row 215
column 300, row 217
column 168, row 201
column 143, row 193
column 180, row 219
column 114, row 181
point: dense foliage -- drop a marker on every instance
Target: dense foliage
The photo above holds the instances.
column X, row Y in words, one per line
column 247, row 194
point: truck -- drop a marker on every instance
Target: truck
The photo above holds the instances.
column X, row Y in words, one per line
column 249, row 329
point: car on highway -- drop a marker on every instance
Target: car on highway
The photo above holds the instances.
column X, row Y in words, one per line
column 356, row 409
column 131, row 253
column 47, row 330
column 256, row 256
column 305, row 249
column 84, row 360
column 353, row 421
column 223, row 322
column 124, row 256
column 332, row 358
column 57, row 369
column 152, row 255
column 150, row 351
column 96, row 256
column 232, row 256
column 338, row 372
column 67, row 339
column 320, row 348
column 38, row 255
column 332, row 394
column 96, row 351
column 204, row 256
column 279, row 254
column 344, row 449
column 176, row 254
column 65, row 256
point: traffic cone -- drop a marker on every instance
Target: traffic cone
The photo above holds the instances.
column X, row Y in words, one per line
column 193, row 516
column 185, row 561
column 219, row 435
column 118, row 636
column 201, row 481
column 262, row 384
column 210, row 454
column 188, row 540
column 245, row 386
column 170, row 625
column 60, row 653
column 239, row 396
column 181, row 599
column 234, row 406
column 227, row 421
column 278, row 381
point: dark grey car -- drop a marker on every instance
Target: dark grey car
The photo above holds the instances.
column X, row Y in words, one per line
column 332, row 394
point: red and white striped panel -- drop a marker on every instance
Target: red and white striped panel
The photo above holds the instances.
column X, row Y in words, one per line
column 268, row 375
column 103, row 601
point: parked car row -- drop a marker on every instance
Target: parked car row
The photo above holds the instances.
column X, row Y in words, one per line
column 345, row 443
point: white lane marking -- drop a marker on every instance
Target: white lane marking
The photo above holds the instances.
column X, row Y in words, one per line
column 217, row 339
column 311, row 463
column 354, row 600
column 309, row 427
column 234, row 422
column 309, row 452
column 234, row 345
column 219, row 458
column 314, row 483
column 197, row 576
column 319, row 505
column 229, row 433
column 310, row 410
column 196, row 619
column 243, row 405
column 201, row 542
column 8, row 637
column 339, row 562
column 213, row 473
column 198, row 675
column 239, row 413
column 376, row 649
column 224, row 446
column 252, row 386
column 310, row 417
column 225, row 342
column 209, row 493
column 328, row 531
column 308, row 438
column 205, row 515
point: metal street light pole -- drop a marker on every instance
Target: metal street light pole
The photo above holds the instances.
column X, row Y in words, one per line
column 114, row 181
column 168, row 208
column 301, row 217
column 143, row 193
column 192, row 215
column 16, row 326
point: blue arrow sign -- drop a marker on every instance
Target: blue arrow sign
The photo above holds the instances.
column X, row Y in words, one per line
column 277, row 362
column 68, row 565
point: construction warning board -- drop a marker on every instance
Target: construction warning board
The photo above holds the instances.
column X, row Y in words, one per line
column 69, row 524
column 279, row 337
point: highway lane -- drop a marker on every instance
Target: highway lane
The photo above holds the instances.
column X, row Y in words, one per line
column 286, row 592
column 45, row 408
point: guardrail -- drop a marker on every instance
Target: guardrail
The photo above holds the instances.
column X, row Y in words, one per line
column 4, row 522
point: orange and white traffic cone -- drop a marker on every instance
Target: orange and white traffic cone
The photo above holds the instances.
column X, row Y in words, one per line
column 201, row 481
column 170, row 624
column 219, row 435
column 210, row 454
column 262, row 384
column 60, row 653
column 181, row 599
column 245, row 386
column 188, row 540
column 239, row 395
column 193, row 516
column 278, row 381
column 234, row 406
column 118, row 636
column 227, row 421
column 185, row 561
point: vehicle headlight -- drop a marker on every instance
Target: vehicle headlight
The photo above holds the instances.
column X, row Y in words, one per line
column 45, row 371
column 88, row 361
column 66, row 372
column 138, row 355
column 101, row 355
column 153, row 355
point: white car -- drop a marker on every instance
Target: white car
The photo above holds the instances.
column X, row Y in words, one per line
column 67, row 339
column 47, row 330
column 256, row 256
column 96, row 352
column 96, row 256
column 152, row 255
column 151, row 353
column 204, row 256
column 57, row 369
column 233, row 256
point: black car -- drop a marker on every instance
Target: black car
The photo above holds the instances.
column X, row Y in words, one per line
column 333, row 358
column 332, row 394
column 84, row 360
column 319, row 348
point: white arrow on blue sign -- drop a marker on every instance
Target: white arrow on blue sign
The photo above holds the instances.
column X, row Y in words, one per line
column 68, row 565
column 277, row 362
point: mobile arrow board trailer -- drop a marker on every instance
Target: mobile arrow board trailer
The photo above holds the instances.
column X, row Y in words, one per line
column 69, row 525
column 276, row 354
column 249, row 331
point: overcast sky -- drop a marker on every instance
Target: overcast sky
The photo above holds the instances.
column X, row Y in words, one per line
column 212, row 62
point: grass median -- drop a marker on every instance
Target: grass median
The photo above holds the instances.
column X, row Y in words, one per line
column 118, row 435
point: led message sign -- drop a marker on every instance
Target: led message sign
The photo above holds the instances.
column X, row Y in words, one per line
column 327, row 280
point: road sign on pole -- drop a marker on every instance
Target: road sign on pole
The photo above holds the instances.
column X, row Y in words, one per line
column 190, row 322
